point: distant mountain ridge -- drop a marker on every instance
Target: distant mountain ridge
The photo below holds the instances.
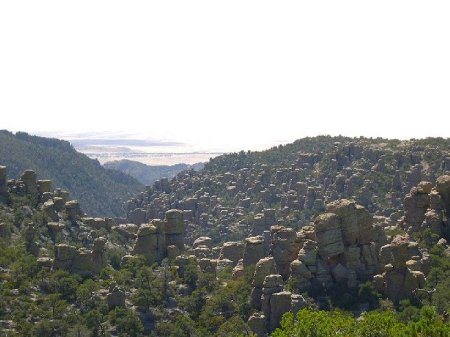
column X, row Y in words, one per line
column 100, row 191
column 148, row 174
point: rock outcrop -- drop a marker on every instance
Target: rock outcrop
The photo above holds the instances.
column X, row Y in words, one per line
column 73, row 210
column 232, row 251
column 156, row 240
column 174, row 228
column 116, row 297
column 284, row 248
column 263, row 268
column 28, row 178
column 341, row 248
column 81, row 261
column 344, row 249
column 253, row 250
column 280, row 303
column 428, row 207
column 150, row 242
column 398, row 281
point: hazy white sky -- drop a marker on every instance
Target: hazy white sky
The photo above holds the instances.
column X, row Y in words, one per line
column 226, row 74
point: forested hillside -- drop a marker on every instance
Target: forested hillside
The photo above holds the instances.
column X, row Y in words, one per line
column 148, row 174
column 100, row 191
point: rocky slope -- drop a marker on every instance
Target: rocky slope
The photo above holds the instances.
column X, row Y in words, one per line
column 245, row 193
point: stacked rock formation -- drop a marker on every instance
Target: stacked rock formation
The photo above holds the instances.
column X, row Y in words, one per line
column 242, row 196
column 55, row 231
column 341, row 248
column 204, row 241
column 202, row 247
column 263, row 268
column 428, row 207
column 345, row 249
column 443, row 188
column 64, row 218
column 81, row 261
column 52, row 202
column 284, row 248
column 398, row 281
column 416, row 204
column 253, row 251
column 174, row 229
column 98, row 255
column 30, row 236
column 44, row 186
column 150, row 242
column 268, row 297
column 73, row 210
column 232, row 251
column 159, row 238
column 273, row 284
column 302, row 269
column 98, row 223
column 258, row 325
column 280, row 303
column 28, row 178
column 263, row 221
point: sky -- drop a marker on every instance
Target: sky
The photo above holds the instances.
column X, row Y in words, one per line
column 225, row 75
